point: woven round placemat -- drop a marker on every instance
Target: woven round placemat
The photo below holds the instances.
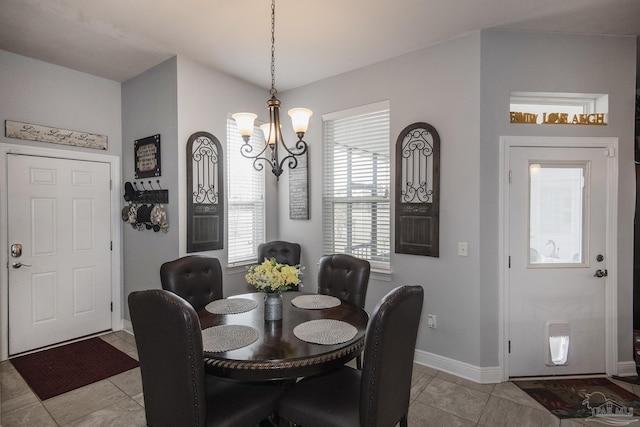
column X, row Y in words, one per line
column 315, row 302
column 231, row 305
column 325, row 331
column 228, row 337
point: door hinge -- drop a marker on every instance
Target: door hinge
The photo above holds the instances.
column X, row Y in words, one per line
column 509, row 261
column 510, row 175
column 111, row 245
column 110, row 184
column 509, row 349
column 112, row 307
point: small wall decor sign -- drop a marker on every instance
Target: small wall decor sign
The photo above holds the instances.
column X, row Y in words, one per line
column 597, row 119
column 31, row 132
column 299, row 190
column 147, row 156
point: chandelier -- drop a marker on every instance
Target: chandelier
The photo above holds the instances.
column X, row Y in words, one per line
column 274, row 141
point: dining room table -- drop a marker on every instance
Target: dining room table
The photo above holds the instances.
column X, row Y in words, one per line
column 317, row 333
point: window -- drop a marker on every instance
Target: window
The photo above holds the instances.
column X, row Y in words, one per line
column 246, row 199
column 557, row 213
column 356, row 199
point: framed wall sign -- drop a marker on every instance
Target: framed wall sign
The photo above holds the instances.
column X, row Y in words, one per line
column 299, row 189
column 147, row 156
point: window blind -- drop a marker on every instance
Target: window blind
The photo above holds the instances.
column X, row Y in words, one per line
column 246, row 208
column 356, row 192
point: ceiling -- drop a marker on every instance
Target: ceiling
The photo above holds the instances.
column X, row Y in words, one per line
column 119, row 39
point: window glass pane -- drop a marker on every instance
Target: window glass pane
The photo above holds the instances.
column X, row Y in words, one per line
column 356, row 204
column 246, row 209
column 556, row 213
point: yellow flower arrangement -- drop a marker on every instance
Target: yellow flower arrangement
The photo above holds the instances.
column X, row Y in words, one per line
column 273, row 277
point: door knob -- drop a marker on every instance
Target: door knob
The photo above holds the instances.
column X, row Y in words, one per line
column 601, row 273
column 19, row 264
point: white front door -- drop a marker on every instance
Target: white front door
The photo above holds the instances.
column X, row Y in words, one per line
column 59, row 221
column 557, row 261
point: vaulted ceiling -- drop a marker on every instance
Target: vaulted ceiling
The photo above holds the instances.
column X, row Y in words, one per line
column 118, row 39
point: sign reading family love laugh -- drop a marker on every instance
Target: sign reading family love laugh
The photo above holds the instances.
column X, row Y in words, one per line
column 54, row 135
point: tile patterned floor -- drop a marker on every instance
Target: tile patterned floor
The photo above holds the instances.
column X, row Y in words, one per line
column 437, row 399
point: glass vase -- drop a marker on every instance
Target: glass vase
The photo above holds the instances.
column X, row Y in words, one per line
column 272, row 306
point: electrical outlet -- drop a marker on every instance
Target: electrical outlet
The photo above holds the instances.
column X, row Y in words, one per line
column 463, row 249
column 431, row 320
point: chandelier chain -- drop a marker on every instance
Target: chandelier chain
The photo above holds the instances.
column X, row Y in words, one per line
column 273, row 91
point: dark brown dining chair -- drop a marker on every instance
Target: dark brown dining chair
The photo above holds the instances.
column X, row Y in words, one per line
column 345, row 277
column 197, row 279
column 378, row 395
column 283, row 252
column 176, row 390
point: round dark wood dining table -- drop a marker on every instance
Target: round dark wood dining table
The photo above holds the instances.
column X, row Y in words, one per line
column 278, row 354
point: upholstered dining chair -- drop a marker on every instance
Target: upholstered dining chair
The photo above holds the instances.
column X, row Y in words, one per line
column 345, row 277
column 176, row 390
column 378, row 395
column 283, row 252
column 197, row 279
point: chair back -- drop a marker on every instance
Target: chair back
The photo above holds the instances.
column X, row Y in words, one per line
column 388, row 357
column 197, row 279
column 345, row 277
column 169, row 342
column 283, row 252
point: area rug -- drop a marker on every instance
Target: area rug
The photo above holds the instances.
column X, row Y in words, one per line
column 579, row 398
column 61, row 369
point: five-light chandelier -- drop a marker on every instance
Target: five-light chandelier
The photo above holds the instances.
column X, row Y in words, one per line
column 272, row 132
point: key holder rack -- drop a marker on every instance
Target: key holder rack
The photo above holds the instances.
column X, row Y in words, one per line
column 139, row 193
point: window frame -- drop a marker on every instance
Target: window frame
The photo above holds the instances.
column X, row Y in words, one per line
column 236, row 162
column 379, row 190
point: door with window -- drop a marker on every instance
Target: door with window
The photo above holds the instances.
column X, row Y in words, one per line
column 60, row 261
column 557, row 260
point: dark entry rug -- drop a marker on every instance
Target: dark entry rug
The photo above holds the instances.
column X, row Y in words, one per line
column 578, row 398
column 61, row 369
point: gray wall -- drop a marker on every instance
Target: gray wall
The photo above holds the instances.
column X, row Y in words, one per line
column 40, row 93
column 462, row 87
column 555, row 63
column 149, row 107
column 440, row 86
column 205, row 99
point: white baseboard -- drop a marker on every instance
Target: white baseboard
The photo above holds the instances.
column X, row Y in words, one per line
column 627, row 369
column 488, row 375
column 127, row 326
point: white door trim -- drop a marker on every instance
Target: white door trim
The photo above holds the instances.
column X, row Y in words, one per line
column 611, row 289
column 116, row 231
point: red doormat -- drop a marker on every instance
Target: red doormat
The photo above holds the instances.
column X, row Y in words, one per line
column 68, row 367
column 579, row 398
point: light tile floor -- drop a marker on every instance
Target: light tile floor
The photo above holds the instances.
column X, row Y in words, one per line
column 437, row 399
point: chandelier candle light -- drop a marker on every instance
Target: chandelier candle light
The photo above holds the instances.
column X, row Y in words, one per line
column 272, row 132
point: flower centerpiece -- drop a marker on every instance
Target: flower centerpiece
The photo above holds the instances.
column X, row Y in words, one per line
column 273, row 278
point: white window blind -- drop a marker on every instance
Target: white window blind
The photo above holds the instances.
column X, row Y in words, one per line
column 356, row 194
column 246, row 208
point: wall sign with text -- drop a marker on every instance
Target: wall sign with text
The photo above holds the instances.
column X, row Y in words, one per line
column 597, row 119
column 147, row 156
column 31, row 132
